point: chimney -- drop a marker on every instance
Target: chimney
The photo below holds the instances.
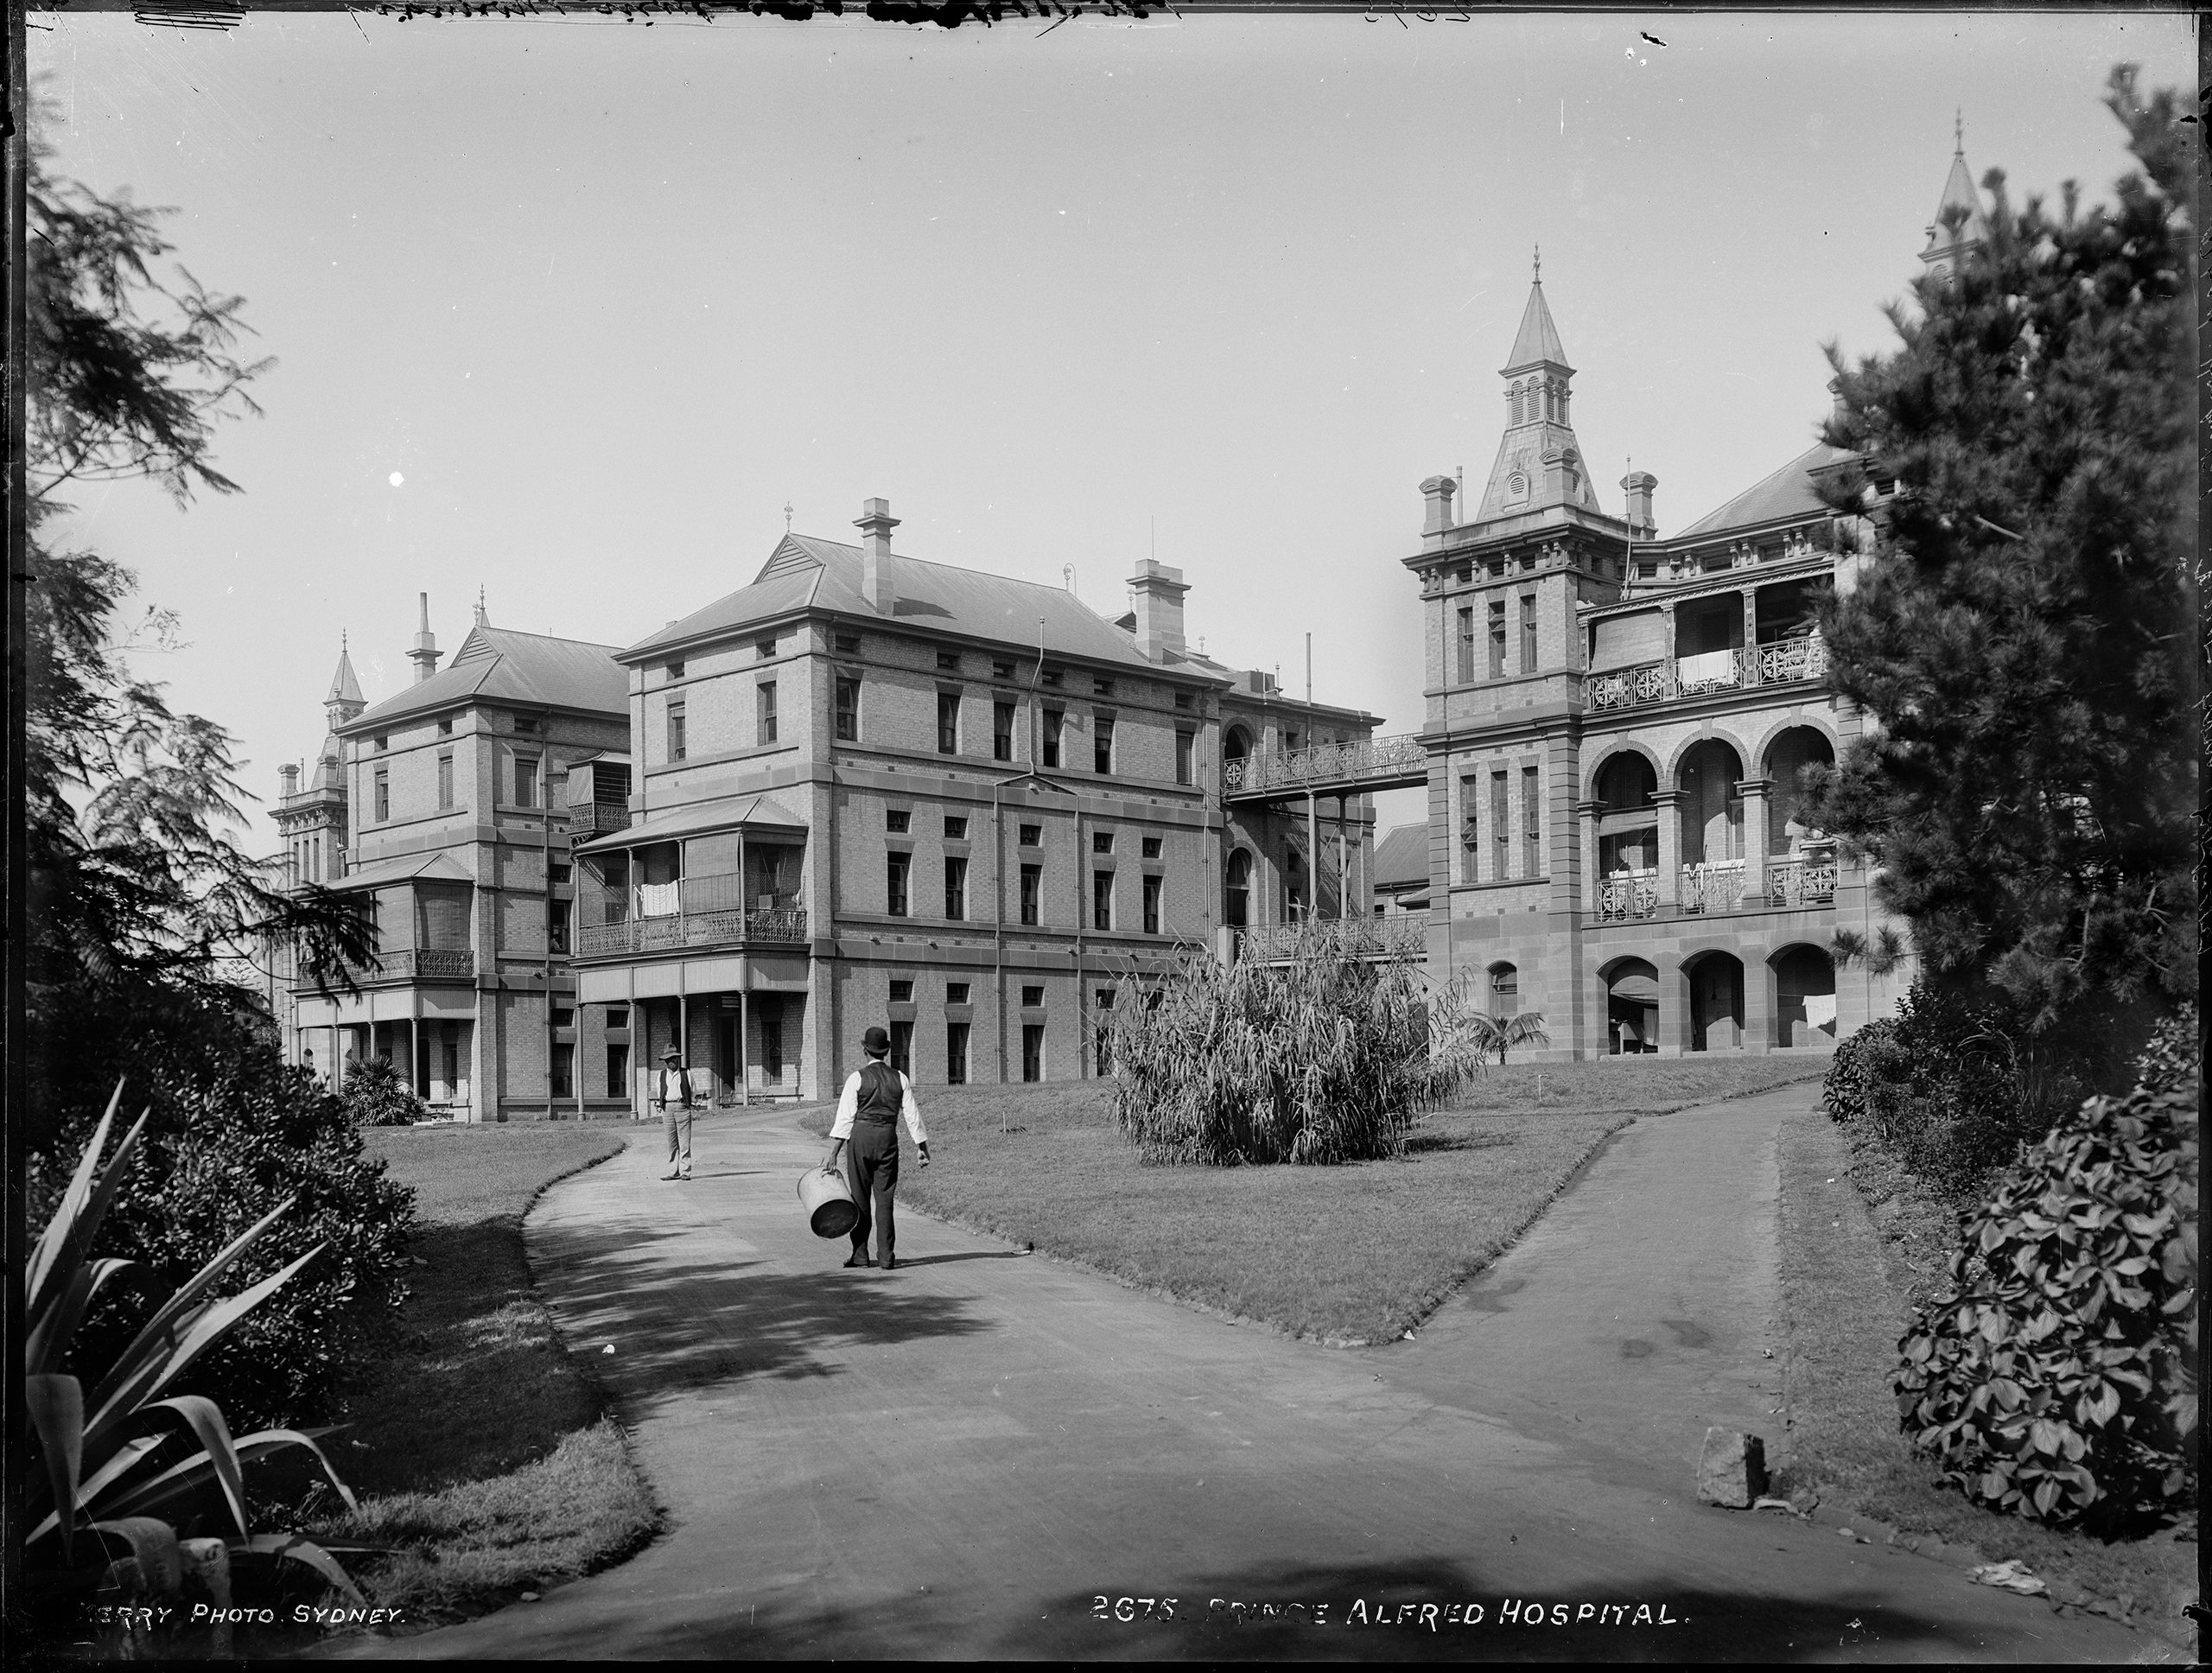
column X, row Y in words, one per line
column 876, row 522
column 1159, row 592
column 1639, row 484
column 1437, row 493
column 425, row 654
column 289, row 776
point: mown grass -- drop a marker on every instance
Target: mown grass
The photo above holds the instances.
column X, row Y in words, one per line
column 1361, row 1251
column 1846, row 1292
column 480, row 1448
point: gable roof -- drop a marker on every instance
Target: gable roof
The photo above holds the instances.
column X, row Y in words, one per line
column 499, row 664
column 804, row 572
column 1401, row 859
column 1787, row 493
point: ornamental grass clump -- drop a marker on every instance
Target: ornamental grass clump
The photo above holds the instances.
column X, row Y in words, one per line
column 1322, row 1059
column 2054, row 1378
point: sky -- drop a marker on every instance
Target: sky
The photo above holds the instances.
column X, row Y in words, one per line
column 570, row 311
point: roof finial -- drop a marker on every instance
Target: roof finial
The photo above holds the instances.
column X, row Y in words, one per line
column 787, row 517
column 1958, row 132
column 1538, row 264
column 341, row 642
column 482, row 620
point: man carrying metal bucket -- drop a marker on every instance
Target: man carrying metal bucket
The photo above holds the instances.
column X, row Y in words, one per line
column 866, row 1133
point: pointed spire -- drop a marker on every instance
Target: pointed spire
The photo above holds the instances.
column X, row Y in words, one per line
column 482, row 620
column 1537, row 343
column 1960, row 222
column 1539, row 462
column 344, row 687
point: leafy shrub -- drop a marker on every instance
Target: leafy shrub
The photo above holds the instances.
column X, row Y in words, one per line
column 376, row 1095
column 1851, row 1070
column 1323, row 1060
column 2054, row 1378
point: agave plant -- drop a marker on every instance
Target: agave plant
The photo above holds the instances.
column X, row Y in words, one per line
column 98, row 1468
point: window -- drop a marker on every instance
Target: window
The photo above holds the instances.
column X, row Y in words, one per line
column 1498, row 639
column 948, row 722
column 1033, row 999
column 1471, row 826
column 1290, row 738
column 1152, row 905
column 1239, row 903
column 1102, row 747
column 618, row 1070
column 1501, row 832
column 1033, row 1051
column 1032, row 835
column 382, row 744
column 1001, row 731
column 1183, row 700
column 1101, row 900
column 1102, row 1038
column 1102, row 842
column 525, row 781
column 1504, row 991
column 1104, row 688
column 956, row 887
column 1467, row 644
column 895, row 866
column 948, row 662
column 848, row 644
column 1532, row 826
column 764, row 700
column 557, row 928
column 564, row 1016
column 384, row 795
column 1151, row 847
column 674, row 670
column 1033, row 886
column 896, row 819
column 1527, row 632
column 445, row 781
column 1054, row 719
column 525, row 723
column 956, row 827
column 1051, row 677
column 902, row 1047
column 764, row 648
column 564, row 1070
column 956, row 993
column 770, row 1009
column 676, row 731
column 1186, row 748
column 955, row 1054
column 618, row 1016
column 445, row 727
column 1001, row 668
column 902, row 990
column 849, row 708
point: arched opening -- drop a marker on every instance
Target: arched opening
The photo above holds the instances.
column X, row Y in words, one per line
column 1789, row 827
column 1712, row 813
column 1804, row 986
column 1504, row 991
column 1236, row 909
column 1628, row 817
column 1631, row 1008
column 1236, row 745
column 1716, row 981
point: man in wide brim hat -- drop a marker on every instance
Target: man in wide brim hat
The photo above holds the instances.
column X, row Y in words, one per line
column 876, row 1098
column 672, row 1096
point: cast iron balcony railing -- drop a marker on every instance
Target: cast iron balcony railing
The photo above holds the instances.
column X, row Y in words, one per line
column 1807, row 882
column 1628, row 894
column 597, row 816
column 1627, row 688
column 411, row 965
column 1667, row 678
column 1805, row 658
column 697, row 911
column 1717, row 886
column 1402, row 936
column 1358, row 764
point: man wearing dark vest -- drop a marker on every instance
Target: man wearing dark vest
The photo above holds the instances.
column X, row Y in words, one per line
column 876, row 1097
column 673, row 1096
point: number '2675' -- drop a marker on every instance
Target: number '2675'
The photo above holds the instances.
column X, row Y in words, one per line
column 1129, row 1609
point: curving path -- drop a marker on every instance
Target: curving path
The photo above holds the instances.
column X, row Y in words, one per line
column 960, row 1458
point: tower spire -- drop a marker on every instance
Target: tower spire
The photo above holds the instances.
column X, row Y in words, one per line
column 1539, row 463
column 1960, row 225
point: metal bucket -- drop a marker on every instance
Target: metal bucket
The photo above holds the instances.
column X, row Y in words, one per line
column 830, row 1209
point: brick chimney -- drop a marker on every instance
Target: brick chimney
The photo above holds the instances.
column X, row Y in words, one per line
column 1436, row 494
column 876, row 522
column 425, row 654
column 289, row 776
column 1639, row 484
column 1159, row 592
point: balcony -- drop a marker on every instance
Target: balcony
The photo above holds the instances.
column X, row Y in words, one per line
column 591, row 819
column 1789, row 662
column 1715, row 886
column 1628, row 894
column 410, row 964
column 1405, row 937
column 1351, row 767
column 1807, row 882
column 695, row 912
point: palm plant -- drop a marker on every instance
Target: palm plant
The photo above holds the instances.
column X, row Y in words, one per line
column 1464, row 1036
column 99, row 1457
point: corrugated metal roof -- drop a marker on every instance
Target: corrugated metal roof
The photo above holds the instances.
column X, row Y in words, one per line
column 1788, row 493
column 501, row 665
column 696, row 820
column 1402, row 858
column 804, row 570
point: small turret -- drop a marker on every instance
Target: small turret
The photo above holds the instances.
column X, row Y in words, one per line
column 1960, row 225
column 345, row 701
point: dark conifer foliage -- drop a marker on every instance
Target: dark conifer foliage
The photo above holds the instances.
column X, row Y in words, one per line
column 2024, row 633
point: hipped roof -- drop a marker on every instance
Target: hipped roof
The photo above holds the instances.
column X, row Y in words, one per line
column 499, row 664
column 437, row 866
column 698, row 820
column 1785, row 493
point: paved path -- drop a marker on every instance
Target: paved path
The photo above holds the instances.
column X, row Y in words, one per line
column 964, row 1457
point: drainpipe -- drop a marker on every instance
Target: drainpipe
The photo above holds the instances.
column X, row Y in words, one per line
column 545, row 857
column 998, row 913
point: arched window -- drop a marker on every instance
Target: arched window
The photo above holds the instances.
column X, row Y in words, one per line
column 1238, row 907
column 1504, row 991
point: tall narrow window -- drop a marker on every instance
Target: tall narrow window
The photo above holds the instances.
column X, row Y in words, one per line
column 849, row 708
column 1102, row 1040
column 564, row 1070
column 1033, row 1051
column 445, row 782
column 1238, row 912
column 956, row 887
column 1001, row 731
column 1033, row 889
column 1498, row 639
column 556, row 926
column 1466, row 645
column 1186, row 745
column 1500, row 831
column 618, row 1070
column 1470, row 828
column 676, row 731
column 1532, row 826
column 1527, row 632
column 902, row 1047
column 384, row 795
column 764, row 700
column 1152, row 905
column 955, row 1054
column 525, row 781
column 1102, row 747
column 770, row 1009
column 895, row 869
column 948, row 722
column 1101, row 900
column 1054, row 720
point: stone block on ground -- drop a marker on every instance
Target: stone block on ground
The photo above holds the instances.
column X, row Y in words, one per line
column 1731, row 1469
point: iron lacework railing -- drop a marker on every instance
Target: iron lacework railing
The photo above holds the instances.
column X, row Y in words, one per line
column 1405, row 936
column 695, row 912
column 1357, row 761
column 408, row 965
column 1790, row 662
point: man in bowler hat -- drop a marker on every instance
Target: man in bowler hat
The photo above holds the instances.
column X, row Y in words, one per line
column 876, row 1098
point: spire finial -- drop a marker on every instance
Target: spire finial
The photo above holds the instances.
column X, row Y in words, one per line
column 1958, row 132
column 342, row 647
column 1539, row 265
column 482, row 620
column 787, row 517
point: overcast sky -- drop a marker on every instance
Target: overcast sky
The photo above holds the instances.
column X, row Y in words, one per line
column 570, row 310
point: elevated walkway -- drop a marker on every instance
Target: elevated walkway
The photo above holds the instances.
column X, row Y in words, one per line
column 1326, row 769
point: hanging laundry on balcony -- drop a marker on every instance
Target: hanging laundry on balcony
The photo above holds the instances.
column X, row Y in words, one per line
column 1706, row 668
column 659, row 899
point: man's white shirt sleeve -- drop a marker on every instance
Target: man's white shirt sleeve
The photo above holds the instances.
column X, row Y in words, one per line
column 911, row 1110
column 849, row 1103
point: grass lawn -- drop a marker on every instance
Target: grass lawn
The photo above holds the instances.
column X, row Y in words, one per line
column 1361, row 1252
column 1845, row 1297
column 480, row 1447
